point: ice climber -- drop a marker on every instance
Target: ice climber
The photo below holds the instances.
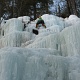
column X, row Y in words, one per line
column 40, row 21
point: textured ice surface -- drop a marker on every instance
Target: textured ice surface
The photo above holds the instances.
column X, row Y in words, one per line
column 12, row 25
column 50, row 41
column 37, row 64
column 24, row 19
column 70, row 40
column 32, row 64
column 54, row 54
column 14, row 39
column 12, row 34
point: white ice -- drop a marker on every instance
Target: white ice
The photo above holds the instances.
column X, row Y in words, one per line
column 53, row 54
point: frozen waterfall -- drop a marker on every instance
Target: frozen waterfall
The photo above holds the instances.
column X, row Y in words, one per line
column 53, row 54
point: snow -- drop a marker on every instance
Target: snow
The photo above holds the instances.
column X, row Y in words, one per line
column 53, row 54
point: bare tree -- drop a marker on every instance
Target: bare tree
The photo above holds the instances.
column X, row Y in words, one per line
column 71, row 4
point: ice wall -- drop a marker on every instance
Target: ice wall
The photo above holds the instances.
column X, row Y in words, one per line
column 24, row 19
column 12, row 34
column 51, row 20
column 30, row 64
column 10, row 26
column 70, row 39
column 66, row 41
column 74, row 68
column 50, row 41
column 51, row 55
column 53, row 23
column 37, row 64
column 15, row 39
column 72, row 20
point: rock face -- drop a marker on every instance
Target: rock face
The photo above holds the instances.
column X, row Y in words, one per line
column 51, row 55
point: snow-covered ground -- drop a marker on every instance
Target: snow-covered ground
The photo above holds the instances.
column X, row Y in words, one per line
column 53, row 54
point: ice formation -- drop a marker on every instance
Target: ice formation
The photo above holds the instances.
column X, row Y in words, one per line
column 12, row 34
column 53, row 54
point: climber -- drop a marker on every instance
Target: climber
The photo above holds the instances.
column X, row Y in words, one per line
column 40, row 21
column 25, row 24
